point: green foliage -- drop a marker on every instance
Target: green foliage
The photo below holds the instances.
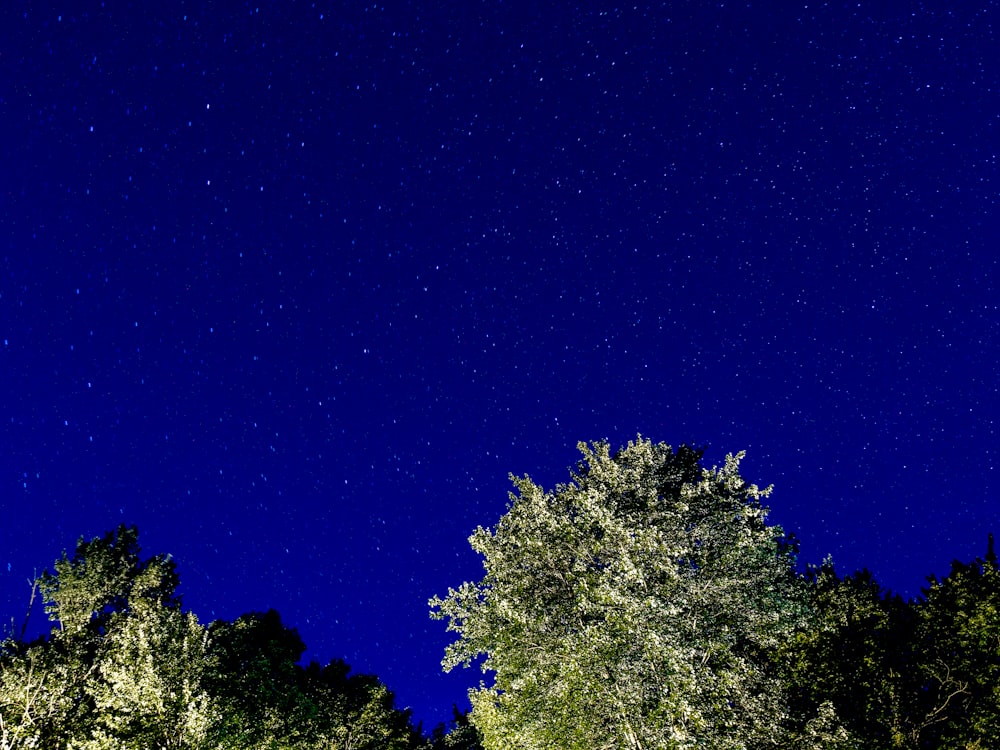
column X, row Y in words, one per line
column 635, row 607
column 957, row 648
column 855, row 656
column 255, row 680
column 86, row 590
column 125, row 668
column 353, row 711
column 461, row 734
column 149, row 687
column 120, row 668
column 645, row 604
column 648, row 604
column 41, row 695
column 267, row 700
column 907, row 675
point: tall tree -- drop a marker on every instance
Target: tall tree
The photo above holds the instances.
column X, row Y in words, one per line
column 123, row 665
column 459, row 734
column 150, row 687
column 256, row 681
column 636, row 606
column 85, row 590
column 958, row 658
column 125, row 668
column 354, row 711
column 856, row 655
column 268, row 700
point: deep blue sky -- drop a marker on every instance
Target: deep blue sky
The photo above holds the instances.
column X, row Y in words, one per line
column 293, row 287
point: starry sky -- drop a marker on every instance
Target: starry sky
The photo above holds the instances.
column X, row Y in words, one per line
column 294, row 286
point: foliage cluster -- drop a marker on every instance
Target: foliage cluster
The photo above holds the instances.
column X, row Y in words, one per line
column 125, row 667
column 648, row 604
column 645, row 604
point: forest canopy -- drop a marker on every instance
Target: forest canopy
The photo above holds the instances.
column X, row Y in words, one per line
column 124, row 666
column 646, row 603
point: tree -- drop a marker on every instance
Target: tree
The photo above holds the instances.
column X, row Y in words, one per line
column 267, row 700
column 458, row 734
column 855, row 656
column 906, row 675
column 637, row 606
column 125, row 668
column 85, row 591
column 355, row 711
column 122, row 666
column 150, row 687
column 958, row 658
column 255, row 681
column 41, row 695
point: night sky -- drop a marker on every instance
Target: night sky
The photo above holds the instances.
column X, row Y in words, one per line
column 293, row 287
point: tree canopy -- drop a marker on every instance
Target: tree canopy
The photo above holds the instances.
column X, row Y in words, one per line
column 124, row 666
column 634, row 606
column 647, row 603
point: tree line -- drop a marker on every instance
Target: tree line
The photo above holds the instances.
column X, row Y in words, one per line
column 646, row 603
column 125, row 667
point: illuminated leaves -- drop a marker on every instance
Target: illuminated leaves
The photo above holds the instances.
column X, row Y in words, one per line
column 631, row 607
column 125, row 668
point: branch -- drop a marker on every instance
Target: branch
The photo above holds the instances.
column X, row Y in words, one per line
column 946, row 682
column 31, row 604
